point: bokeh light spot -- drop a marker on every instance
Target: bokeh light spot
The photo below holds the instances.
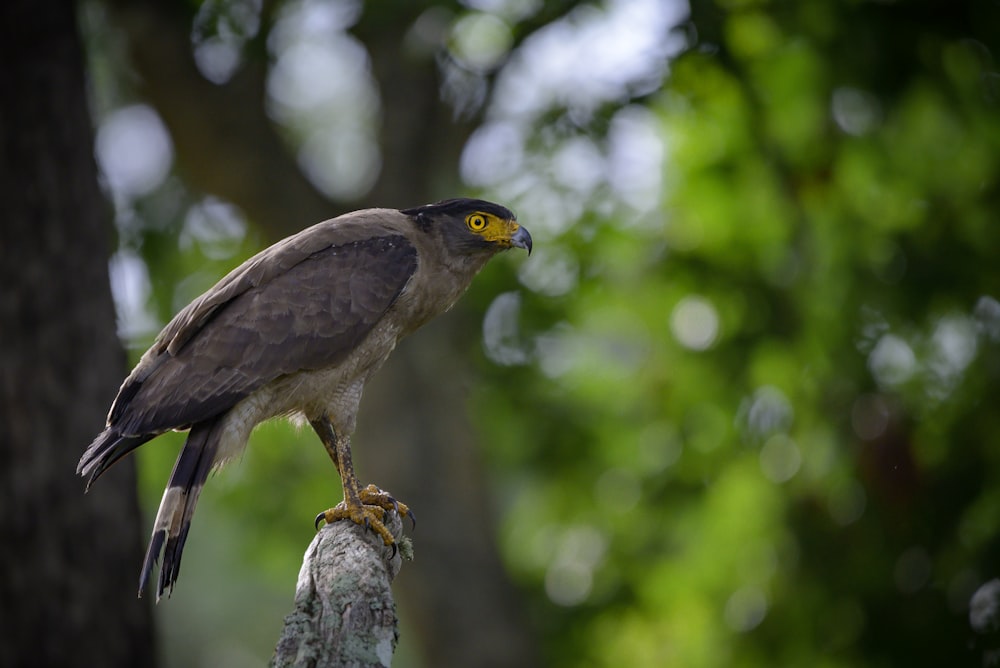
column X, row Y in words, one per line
column 502, row 330
column 134, row 150
column 480, row 40
column 892, row 361
column 618, row 489
column 768, row 411
column 746, row 609
column 695, row 323
column 854, row 111
column 984, row 607
column 780, row 458
column 131, row 288
column 569, row 577
column 869, row 416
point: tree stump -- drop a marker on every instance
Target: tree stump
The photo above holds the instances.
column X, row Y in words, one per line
column 344, row 615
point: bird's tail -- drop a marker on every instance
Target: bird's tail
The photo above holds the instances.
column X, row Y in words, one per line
column 109, row 446
column 173, row 519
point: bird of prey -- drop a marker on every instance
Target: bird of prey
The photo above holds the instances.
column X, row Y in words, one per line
column 297, row 330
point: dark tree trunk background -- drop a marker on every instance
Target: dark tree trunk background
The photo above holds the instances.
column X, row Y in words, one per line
column 67, row 561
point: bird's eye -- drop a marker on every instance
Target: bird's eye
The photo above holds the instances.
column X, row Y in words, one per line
column 476, row 222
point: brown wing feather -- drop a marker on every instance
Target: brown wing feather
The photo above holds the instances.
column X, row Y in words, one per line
column 270, row 262
column 275, row 315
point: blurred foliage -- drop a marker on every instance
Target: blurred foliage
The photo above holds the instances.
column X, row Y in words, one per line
column 761, row 429
column 752, row 421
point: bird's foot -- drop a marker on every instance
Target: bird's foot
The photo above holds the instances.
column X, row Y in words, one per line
column 370, row 513
column 373, row 496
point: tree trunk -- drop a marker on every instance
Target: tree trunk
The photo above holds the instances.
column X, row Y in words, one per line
column 68, row 564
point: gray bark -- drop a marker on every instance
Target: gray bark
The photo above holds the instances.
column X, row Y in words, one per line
column 344, row 614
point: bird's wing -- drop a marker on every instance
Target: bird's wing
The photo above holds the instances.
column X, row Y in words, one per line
column 305, row 303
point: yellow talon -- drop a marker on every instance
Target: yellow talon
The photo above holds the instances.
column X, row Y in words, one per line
column 370, row 513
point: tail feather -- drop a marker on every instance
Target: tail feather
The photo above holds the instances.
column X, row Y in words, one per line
column 109, row 446
column 173, row 519
column 152, row 552
column 172, row 559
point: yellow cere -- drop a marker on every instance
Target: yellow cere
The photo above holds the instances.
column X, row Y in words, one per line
column 490, row 227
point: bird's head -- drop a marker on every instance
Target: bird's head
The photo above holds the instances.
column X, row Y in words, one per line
column 472, row 226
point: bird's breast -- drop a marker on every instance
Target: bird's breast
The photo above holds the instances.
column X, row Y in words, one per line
column 434, row 288
column 312, row 390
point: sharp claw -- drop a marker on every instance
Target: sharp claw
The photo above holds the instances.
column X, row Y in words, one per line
column 395, row 550
column 413, row 520
column 319, row 518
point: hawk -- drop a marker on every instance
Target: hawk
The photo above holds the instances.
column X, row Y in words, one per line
column 297, row 331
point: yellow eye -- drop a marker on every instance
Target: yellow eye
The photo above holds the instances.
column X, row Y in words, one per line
column 476, row 222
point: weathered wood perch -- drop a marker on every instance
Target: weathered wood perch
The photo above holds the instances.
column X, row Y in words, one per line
column 344, row 612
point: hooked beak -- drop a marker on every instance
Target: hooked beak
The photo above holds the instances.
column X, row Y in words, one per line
column 521, row 239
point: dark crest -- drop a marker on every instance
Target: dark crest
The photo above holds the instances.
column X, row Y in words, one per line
column 457, row 208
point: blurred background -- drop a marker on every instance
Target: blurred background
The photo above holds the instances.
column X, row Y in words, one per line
column 741, row 406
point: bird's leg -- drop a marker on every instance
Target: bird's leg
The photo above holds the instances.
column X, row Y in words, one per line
column 366, row 506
